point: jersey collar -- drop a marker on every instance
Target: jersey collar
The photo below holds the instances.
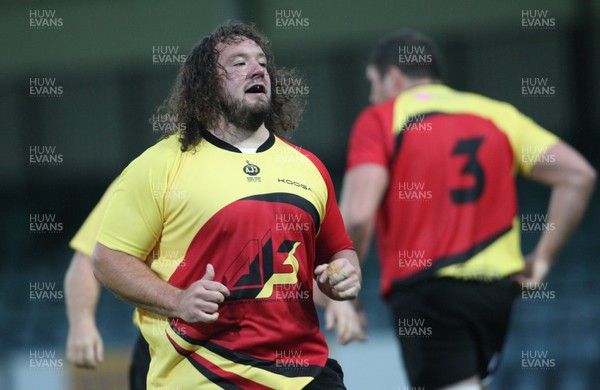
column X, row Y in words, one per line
column 219, row 143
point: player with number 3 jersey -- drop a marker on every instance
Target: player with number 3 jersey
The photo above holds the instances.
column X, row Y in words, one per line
column 451, row 208
column 433, row 170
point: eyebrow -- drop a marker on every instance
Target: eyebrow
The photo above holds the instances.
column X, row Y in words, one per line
column 244, row 55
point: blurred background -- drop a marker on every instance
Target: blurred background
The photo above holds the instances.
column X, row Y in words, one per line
column 79, row 81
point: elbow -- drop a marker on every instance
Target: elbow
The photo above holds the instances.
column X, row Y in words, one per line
column 98, row 264
column 585, row 178
column 357, row 229
column 97, row 270
column 357, row 222
column 572, row 172
column 592, row 176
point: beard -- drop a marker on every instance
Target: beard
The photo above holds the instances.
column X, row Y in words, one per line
column 245, row 116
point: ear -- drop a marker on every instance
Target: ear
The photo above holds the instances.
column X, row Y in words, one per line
column 397, row 78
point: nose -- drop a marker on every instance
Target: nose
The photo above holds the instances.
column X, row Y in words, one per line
column 256, row 70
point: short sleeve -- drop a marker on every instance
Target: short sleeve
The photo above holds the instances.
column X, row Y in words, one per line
column 85, row 238
column 369, row 139
column 134, row 218
column 332, row 236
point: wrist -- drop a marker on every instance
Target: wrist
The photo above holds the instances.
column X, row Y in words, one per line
column 171, row 304
column 540, row 256
column 81, row 316
column 83, row 324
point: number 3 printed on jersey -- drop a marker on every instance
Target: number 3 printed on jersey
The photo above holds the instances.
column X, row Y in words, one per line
column 469, row 147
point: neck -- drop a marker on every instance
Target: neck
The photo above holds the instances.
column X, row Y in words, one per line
column 417, row 82
column 241, row 138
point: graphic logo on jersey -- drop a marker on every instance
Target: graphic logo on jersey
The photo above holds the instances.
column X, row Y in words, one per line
column 250, row 255
column 251, row 274
column 251, row 169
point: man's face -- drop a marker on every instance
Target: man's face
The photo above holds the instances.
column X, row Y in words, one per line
column 245, row 82
column 382, row 87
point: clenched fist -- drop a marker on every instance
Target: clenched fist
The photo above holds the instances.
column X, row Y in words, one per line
column 338, row 280
column 200, row 301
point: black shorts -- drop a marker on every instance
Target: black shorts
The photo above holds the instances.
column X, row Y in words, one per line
column 450, row 330
column 140, row 362
column 331, row 378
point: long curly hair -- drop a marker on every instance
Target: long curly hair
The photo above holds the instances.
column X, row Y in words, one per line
column 195, row 99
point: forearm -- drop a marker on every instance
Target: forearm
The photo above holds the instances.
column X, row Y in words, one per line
column 361, row 235
column 319, row 298
column 568, row 203
column 572, row 179
column 134, row 282
column 82, row 290
column 362, row 193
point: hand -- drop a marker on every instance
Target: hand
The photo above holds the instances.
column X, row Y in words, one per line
column 535, row 272
column 346, row 284
column 200, row 301
column 85, row 348
column 347, row 321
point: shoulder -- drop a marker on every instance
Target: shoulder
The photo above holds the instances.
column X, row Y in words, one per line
column 380, row 111
column 486, row 103
column 168, row 147
column 304, row 154
column 162, row 154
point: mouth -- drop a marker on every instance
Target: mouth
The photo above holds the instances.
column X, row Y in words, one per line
column 256, row 88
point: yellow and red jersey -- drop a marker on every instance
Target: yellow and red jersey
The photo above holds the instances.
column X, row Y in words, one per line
column 451, row 206
column 264, row 221
column 85, row 238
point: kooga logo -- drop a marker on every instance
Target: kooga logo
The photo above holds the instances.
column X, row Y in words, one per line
column 294, row 183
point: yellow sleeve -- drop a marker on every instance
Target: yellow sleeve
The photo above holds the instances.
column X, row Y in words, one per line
column 134, row 218
column 85, row 238
column 532, row 145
